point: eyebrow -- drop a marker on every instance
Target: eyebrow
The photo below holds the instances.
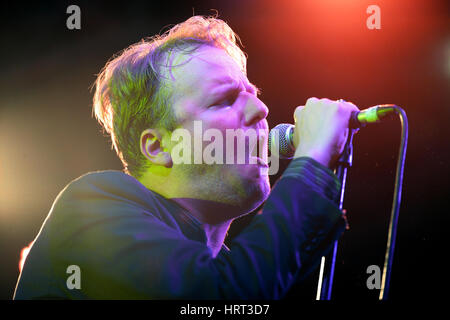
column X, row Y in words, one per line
column 253, row 88
column 228, row 80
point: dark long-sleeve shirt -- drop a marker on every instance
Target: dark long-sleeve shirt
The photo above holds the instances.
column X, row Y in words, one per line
column 132, row 243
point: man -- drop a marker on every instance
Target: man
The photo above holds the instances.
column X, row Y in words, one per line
column 156, row 230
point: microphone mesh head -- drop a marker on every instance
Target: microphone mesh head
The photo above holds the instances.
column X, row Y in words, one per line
column 280, row 141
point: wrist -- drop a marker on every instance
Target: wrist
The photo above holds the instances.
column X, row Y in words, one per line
column 317, row 155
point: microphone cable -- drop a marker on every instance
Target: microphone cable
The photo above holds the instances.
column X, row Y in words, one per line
column 393, row 223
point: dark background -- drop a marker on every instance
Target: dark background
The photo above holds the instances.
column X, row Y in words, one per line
column 296, row 50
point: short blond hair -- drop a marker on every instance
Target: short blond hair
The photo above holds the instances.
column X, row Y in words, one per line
column 129, row 97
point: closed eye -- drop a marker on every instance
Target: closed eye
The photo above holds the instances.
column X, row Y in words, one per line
column 228, row 100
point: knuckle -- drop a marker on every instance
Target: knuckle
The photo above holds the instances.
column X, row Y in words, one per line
column 354, row 107
column 351, row 106
column 311, row 100
column 299, row 109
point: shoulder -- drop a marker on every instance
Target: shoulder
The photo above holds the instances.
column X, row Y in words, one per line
column 100, row 195
column 106, row 181
column 105, row 186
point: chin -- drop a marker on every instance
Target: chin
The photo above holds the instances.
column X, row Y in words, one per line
column 256, row 193
column 243, row 186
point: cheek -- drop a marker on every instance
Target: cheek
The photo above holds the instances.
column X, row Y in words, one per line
column 215, row 125
column 222, row 120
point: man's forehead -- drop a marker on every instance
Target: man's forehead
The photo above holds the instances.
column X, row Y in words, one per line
column 206, row 67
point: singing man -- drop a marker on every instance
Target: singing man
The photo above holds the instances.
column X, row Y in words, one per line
column 156, row 230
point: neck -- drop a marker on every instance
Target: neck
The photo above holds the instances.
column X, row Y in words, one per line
column 215, row 217
column 215, row 235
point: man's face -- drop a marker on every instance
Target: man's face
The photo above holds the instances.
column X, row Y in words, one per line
column 210, row 89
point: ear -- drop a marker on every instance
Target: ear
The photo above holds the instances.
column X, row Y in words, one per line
column 152, row 149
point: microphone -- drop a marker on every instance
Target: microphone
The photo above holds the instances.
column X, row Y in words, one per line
column 281, row 137
column 360, row 119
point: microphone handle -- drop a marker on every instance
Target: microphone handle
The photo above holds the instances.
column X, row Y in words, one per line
column 359, row 119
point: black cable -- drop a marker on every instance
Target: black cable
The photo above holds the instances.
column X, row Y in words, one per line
column 392, row 232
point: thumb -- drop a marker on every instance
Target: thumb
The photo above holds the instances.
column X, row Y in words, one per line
column 298, row 112
column 297, row 118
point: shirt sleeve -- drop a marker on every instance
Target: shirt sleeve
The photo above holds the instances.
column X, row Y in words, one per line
column 127, row 254
column 318, row 177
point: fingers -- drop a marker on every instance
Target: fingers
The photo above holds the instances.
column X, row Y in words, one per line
column 343, row 107
column 341, row 103
column 349, row 108
column 321, row 128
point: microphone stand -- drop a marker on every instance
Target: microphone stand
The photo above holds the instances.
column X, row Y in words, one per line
column 325, row 284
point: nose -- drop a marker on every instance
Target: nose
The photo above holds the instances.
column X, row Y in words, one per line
column 254, row 110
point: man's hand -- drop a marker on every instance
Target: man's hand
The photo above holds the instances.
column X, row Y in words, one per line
column 321, row 129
